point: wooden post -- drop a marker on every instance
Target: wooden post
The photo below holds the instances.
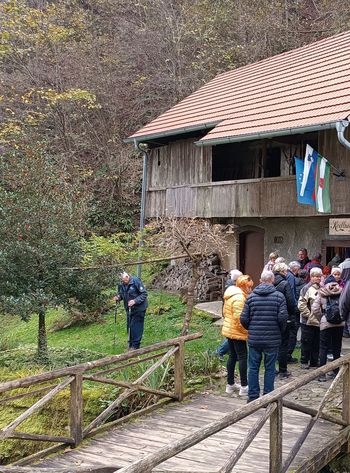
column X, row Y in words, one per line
column 179, row 372
column 276, row 438
column 76, row 409
column 346, row 401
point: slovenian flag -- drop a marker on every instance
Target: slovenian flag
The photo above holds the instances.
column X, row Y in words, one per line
column 323, row 202
column 305, row 174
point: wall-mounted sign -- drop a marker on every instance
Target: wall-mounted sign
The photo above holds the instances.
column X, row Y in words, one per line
column 339, row 226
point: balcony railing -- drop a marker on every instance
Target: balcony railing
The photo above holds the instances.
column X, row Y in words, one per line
column 269, row 197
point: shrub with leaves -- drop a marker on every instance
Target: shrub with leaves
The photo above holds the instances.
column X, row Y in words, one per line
column 41, row 219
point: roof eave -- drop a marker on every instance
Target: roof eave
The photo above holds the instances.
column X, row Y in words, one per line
column 164, row 134
column 267, row 134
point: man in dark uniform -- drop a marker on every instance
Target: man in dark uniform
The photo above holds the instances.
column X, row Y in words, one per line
column 134, row 296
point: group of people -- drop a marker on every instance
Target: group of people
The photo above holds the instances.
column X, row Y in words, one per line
column 302, row 294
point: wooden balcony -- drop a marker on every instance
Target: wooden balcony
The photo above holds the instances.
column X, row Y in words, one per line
column 269, row 197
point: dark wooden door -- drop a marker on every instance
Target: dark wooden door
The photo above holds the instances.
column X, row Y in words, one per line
column 330, row 248
column 251, row 254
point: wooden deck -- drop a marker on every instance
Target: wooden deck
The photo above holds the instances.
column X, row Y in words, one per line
column 127, row 444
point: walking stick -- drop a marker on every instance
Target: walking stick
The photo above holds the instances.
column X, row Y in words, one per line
column 115, row 324
column 128, row 326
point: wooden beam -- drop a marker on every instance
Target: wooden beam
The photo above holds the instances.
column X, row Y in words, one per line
column 130, row 263
column 28, row 394
column 346, row 401
column 325, row 454
column 35, row 407
column 138, row 387
column 40, row 438
column 179, row 372
column 312, row 412
column 72, row 370
column 276, row 431
column 298, row 444
column 346, row 395
column 253, row 432
column 39, row 455
column 71, row 469
column 76, row 409
column 131, row 363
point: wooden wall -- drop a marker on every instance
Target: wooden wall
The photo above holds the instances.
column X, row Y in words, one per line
column 179, row 163
column 179, row 184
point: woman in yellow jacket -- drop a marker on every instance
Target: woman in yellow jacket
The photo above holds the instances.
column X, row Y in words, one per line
column 236, row 334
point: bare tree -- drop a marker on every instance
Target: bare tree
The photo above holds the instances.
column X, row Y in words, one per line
column 197, row 239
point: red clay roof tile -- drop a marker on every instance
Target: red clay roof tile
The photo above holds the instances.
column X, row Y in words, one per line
column 308, row 86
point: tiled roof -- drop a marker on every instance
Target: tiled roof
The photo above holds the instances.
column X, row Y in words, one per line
column 305, row 87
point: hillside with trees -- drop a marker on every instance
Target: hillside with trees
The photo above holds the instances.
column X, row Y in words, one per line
column 78, row 76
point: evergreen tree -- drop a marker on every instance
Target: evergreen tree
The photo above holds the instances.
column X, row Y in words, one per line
column 41, row 216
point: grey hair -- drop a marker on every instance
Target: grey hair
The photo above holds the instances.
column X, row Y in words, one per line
column 336, row 270
column 235, row 274
column 294, row 264
column 280, row 268
column 315, row 272
column 280, row 259
column 267, row 276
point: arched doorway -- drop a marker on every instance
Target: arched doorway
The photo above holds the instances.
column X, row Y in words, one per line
column 251, row 253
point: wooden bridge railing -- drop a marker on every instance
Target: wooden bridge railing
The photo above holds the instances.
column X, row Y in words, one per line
column 74, row 376
column 273, row 404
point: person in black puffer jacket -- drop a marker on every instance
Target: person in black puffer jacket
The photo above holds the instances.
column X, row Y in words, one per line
column 264, row 316
column 300, row 282
column 282, row 285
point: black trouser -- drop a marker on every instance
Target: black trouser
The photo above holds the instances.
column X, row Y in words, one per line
column 310, row 344
column 330, row 340
column 135, row 326
column 237, row 351
column 283, row 350
column 293, row 333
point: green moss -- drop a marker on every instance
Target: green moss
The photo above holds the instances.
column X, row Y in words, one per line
column 52, row 419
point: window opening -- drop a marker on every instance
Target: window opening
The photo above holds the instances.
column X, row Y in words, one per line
column 259, row 159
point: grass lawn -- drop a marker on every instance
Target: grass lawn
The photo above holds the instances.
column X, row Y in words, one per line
column 163, row 321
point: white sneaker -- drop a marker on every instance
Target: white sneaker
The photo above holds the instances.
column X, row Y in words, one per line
column 229, row 388
column 237, row 386
column 243, row 391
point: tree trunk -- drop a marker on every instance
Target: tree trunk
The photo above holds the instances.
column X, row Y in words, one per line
column 43, row 354
column 190, row 296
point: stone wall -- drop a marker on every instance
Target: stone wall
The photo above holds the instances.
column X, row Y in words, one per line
column 286, row 235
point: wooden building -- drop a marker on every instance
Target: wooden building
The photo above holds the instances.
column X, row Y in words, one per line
column 226, row 153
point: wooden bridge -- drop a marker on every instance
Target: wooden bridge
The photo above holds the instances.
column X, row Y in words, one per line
column 205, row 433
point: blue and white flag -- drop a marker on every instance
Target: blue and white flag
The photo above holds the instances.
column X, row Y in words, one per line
column 299, row 170
column 305, row 173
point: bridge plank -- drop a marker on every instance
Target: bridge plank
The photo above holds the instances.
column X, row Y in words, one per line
column 131, row 442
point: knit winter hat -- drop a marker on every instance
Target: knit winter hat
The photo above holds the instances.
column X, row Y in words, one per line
column 235, row 274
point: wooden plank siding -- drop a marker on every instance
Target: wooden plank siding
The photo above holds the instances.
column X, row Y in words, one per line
column 179, row 163
column 179, row 185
